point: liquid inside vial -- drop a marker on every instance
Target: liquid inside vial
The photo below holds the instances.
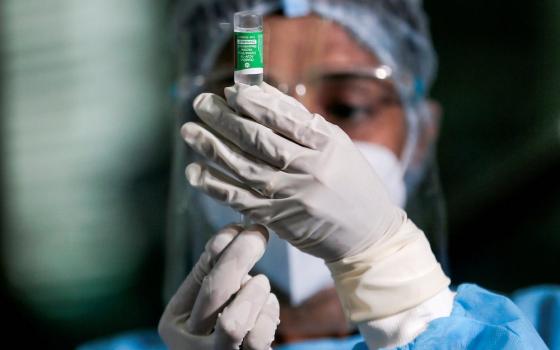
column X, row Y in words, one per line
column 249, row 79
column 248, row 41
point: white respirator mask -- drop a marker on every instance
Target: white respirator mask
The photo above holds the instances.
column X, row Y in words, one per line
column 296, row 274
column 388, row 167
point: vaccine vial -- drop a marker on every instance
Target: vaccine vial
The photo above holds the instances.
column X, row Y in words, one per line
column 248, row 42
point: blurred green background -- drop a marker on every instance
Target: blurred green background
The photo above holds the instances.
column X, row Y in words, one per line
column 85, row 164
column 85, row 140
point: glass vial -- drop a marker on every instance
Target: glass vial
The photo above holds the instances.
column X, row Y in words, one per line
column 248, row 42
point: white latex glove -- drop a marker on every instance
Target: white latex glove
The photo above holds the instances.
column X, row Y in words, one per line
column 300, row 175
column 219, row 306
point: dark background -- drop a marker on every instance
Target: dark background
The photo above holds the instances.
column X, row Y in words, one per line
column 499, row 153
column 499, row 150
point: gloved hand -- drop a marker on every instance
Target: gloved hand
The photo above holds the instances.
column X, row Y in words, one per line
column 219, row 306
column 301, row 176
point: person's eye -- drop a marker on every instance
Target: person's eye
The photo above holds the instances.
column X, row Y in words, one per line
column 348, row 111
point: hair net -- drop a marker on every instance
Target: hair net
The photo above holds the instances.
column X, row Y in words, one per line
column 395, row 31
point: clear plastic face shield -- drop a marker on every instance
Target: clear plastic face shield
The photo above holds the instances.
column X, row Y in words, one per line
column 319, row 62
column 362, row 100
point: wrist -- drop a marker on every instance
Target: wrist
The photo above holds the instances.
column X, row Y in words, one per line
column 396, row 273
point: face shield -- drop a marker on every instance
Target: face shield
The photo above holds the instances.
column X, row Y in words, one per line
column 365, row 97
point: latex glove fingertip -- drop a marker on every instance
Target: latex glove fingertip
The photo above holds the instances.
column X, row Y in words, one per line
column 199, row 100
column 193, row 173
column 188, row 132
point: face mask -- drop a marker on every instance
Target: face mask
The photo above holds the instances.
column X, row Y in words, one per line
column 296, row 274
column 387, row 166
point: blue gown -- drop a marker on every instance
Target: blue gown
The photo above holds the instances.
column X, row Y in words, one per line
column 541, row 305
column 479, row 320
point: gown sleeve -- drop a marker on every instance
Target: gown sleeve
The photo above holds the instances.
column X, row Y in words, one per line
column 479, row 320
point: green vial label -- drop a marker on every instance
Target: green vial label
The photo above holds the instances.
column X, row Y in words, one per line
column 249, row 52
